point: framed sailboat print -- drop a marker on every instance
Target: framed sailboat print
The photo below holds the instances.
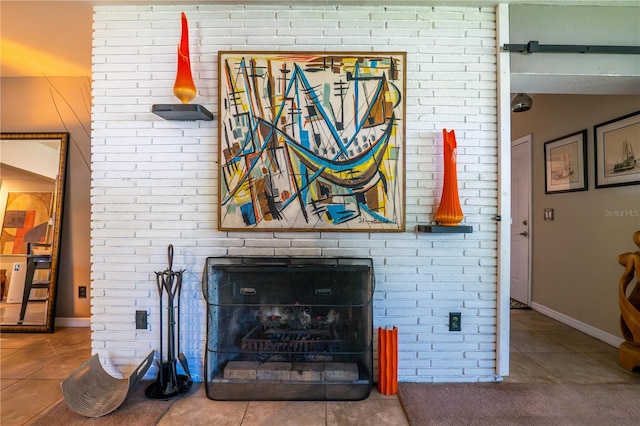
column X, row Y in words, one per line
column 312, row 141
column 617, row 151
column 565, row 164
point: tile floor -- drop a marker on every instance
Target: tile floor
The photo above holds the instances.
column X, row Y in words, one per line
column 34, row 315
column 542, row 351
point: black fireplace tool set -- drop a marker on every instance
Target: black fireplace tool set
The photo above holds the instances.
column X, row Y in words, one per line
column 169, row 383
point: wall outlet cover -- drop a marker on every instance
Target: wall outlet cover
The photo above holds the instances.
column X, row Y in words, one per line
column 455, row 321
column 141, row 320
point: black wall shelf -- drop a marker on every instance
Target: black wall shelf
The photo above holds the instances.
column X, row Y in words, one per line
column 182, row 112
column 439, row 229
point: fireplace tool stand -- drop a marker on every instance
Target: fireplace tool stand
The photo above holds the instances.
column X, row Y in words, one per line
column 169, row 383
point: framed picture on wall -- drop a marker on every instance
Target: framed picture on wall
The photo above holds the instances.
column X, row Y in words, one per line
column 565, row 163
column 617, row 147
column 312, row 141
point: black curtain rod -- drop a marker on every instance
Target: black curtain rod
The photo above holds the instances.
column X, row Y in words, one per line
column 534, row 46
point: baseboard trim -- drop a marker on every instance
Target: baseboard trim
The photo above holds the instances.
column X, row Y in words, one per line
column 608, row 338
column 73, row 322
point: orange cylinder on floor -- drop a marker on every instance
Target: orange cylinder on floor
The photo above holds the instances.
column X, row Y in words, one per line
column 388, row 360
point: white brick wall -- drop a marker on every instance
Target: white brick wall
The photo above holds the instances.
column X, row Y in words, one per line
column 154, row 182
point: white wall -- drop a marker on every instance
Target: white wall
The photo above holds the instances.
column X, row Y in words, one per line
column 577, row 73
column 60, row 104
column 575, row 25
column 154, row 182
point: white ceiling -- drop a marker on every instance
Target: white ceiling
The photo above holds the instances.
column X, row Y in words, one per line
column 52, row 38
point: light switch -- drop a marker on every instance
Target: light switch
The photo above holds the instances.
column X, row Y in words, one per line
column 548, row 214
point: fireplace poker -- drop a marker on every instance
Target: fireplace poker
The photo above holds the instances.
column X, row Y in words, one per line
column 181, row 357
column 159, row 285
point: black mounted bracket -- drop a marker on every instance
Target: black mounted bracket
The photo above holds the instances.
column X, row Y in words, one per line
column 182, row 112
column 536, row 47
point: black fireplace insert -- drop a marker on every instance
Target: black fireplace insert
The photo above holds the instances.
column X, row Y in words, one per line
column 288, row 328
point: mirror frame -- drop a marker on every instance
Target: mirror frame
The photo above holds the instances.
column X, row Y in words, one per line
column 49, row 322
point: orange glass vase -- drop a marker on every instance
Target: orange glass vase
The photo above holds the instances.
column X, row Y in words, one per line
column 449, row 212
column 184, row 88
column 388, row 360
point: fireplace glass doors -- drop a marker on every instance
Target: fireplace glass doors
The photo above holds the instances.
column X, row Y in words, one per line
column 287, row 328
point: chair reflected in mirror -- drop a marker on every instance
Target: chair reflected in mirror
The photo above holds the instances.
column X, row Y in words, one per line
column 38, row 275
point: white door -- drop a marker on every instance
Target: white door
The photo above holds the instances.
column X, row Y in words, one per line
column 520, row 220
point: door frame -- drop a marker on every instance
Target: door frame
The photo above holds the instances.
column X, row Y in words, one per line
column 503, row 216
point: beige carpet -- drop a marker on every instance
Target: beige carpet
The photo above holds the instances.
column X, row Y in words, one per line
column 499, row 404
column 136, row 410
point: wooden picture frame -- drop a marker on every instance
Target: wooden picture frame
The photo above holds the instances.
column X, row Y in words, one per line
column 617, row 148
column 565, row 163
column 312, row 141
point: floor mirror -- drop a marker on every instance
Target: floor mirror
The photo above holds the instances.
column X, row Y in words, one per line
column 32, row 181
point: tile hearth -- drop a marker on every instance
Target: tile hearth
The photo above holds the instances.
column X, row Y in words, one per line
column 35, row 364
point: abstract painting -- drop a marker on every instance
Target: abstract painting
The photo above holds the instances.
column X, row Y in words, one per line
column 26, row 220
column 312, row 141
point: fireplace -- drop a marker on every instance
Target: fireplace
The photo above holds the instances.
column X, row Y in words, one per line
column 288, row 328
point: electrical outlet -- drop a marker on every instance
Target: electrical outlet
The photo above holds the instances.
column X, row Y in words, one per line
column 82, row 292
column 141, row 320
column 454, row 321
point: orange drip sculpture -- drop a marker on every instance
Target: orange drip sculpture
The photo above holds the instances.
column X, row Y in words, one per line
column 184, row 88
column 449, row 212
column 629, row 351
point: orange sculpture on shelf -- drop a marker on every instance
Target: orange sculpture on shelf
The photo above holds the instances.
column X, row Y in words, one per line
column 449, row 212
column 184, row 88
